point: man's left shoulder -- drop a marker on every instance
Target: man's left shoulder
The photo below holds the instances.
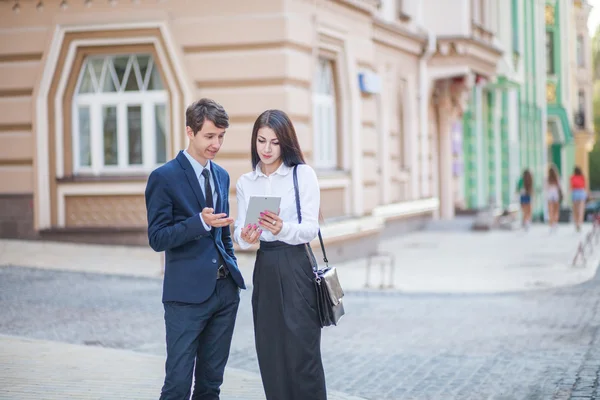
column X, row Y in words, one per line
column 220, row 170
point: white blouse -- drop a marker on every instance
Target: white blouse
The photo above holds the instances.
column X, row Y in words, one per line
column 281, row 183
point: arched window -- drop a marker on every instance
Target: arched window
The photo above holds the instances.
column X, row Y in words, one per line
column 120, row 115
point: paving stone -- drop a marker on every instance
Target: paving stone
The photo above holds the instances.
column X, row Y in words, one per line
column 518, row 346
column 36, row 369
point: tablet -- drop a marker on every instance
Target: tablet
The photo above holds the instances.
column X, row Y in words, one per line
column 260, row 204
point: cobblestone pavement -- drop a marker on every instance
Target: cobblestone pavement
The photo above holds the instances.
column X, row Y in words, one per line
column 535, row 345
column 33, row 369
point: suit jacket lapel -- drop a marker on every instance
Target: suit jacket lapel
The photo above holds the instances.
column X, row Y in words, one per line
column 192, row 179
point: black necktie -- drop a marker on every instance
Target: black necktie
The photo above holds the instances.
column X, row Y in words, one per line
column 207, row 188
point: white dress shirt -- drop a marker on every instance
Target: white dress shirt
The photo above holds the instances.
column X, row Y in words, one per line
column 281, row 183
column 198, row 168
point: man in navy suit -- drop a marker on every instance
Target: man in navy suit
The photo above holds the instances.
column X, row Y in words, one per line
column 187, row 201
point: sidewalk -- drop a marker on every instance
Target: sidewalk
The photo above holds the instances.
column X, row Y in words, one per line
column 433, row 261
column 442, row 261
column 34, row 369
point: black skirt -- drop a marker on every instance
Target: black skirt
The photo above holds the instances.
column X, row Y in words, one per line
column 286, row 324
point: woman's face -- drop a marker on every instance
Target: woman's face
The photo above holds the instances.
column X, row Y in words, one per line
column 267, row 146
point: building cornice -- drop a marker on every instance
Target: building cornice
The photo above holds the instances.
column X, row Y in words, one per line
column 470, row 42
column 396, row 36
column 368, row 7
column 478, row 56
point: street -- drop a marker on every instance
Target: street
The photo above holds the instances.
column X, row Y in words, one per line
column 531, row 345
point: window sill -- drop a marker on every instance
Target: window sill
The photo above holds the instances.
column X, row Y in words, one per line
column 103, row 178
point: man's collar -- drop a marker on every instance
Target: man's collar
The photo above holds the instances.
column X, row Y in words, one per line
column 198, row 168
column 283, row 170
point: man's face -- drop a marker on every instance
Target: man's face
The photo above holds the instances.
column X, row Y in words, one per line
column 205, row 144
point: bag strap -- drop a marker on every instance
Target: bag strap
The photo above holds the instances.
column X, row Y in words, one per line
column 299, row 210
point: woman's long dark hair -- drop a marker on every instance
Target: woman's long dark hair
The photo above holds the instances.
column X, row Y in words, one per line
column 291, row 154
column 577, row 171
column 553, row 178
column 528, row 181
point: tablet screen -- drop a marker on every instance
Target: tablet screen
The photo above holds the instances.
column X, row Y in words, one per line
column 260, row 204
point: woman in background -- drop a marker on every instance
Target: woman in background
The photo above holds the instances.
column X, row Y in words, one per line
column 525, row 190
column 554, row 196
column 578, row 195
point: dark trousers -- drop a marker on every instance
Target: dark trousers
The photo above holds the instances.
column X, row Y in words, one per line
column 199, row 334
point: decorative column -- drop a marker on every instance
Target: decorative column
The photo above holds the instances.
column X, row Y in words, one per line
column 469, row 157
column 507, row 184
column 491, row 149
column 583, row 144
column 480, row 147
column 445, row 170
column 539, row 157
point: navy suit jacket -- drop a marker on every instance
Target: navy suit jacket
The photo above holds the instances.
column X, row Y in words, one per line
column 174, row 201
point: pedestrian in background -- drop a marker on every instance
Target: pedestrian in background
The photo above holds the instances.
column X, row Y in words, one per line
column 579, row 196
column 287, row 328
column 525, row 190
column 553, row 196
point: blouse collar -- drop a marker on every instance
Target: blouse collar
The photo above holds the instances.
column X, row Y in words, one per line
column 283, row 170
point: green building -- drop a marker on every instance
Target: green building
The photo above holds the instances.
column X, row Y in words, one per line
column 559, row 137
column 504, row 126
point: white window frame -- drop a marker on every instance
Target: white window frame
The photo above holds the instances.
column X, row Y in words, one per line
column 325, row 149
column 148, row 100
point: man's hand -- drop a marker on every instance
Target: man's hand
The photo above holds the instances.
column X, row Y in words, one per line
column 215, row 220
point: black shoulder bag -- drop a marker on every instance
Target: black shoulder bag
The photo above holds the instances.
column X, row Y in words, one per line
column 327, row 284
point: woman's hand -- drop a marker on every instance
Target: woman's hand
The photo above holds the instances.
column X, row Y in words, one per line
column 251, row 234
column 271, row 222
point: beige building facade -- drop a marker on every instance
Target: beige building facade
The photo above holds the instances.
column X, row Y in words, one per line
column 465, row 58
column 582, row 84
column 93, row 94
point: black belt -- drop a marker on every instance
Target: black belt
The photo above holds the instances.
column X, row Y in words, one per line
column 222, row 272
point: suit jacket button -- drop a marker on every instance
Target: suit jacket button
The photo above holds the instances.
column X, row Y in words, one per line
column 214, row 260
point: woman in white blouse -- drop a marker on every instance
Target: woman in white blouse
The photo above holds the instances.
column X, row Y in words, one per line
column 284, row 304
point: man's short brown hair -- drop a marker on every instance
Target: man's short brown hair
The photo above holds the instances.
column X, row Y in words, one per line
column 206, row 109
